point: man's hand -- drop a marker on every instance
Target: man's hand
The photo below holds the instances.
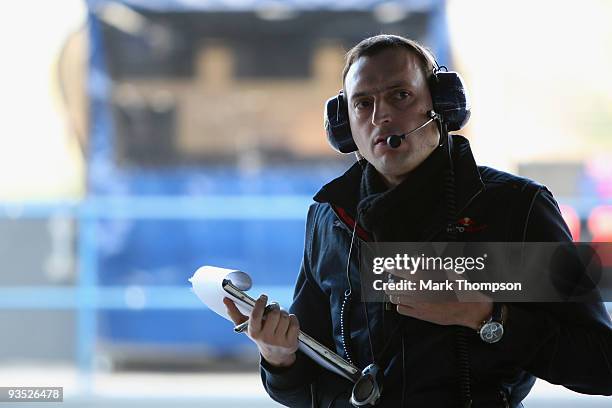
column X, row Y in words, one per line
column 276, row 336
column 468, row 314
column 462, row 313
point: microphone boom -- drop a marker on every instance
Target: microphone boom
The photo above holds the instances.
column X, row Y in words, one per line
column 394, row 141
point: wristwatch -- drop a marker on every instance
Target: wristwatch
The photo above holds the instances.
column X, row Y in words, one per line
column 492, row 329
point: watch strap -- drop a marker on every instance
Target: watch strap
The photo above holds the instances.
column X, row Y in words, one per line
column 498, row 313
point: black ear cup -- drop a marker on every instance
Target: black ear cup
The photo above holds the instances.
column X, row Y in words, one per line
column 336, row 122
column 450, row 99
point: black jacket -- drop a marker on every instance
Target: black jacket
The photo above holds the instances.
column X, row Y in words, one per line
column 563, row 343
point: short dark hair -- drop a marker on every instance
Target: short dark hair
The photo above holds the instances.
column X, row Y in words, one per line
column 378, row 43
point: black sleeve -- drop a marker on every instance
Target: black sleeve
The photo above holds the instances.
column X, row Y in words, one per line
column 290, row 386
column 569, row 344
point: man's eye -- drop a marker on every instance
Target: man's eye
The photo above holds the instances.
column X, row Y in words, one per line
column 402, row 95
column 362, row 104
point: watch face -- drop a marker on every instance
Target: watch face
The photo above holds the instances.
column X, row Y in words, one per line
column 492, row 332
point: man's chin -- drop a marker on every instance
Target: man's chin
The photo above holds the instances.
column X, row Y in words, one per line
column 389, row 168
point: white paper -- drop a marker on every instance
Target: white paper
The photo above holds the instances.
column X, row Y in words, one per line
column 207, row 285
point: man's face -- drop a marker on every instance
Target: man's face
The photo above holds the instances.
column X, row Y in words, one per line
column 387, row 94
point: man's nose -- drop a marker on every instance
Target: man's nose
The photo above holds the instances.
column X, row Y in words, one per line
column 381, row 114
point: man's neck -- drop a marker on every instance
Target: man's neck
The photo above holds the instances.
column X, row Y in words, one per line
column 392, row 181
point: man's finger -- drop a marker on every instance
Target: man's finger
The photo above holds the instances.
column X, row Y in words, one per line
column 272, row 319
column 233, row 311
column 257, row 314
column 409, row 311
column 294, row 327
column 283, row 324
column 394, row 274
column 403, row 300
column 390, row 292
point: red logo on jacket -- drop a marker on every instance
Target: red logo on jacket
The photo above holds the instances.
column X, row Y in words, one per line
column 467, row 224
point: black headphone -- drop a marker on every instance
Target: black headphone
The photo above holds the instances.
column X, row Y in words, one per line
column 449, row 99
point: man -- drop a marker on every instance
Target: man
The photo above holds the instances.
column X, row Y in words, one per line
column 400, row 194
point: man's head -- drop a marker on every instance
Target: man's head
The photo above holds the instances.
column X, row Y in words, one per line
column 385, row 83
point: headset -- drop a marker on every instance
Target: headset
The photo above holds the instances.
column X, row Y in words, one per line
column 451, row 108
column 451, row 111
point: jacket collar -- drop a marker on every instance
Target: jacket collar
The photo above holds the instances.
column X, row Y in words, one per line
column 344, row 191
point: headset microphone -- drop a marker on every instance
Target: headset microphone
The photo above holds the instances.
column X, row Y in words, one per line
column 394, row 141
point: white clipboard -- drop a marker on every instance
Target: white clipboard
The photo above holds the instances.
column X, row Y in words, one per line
column 211, row 284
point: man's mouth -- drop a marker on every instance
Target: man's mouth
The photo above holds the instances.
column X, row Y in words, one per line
column 383, row 139
column 380, row 140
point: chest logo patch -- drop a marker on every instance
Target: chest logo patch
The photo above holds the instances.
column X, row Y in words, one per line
column 467, row 224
